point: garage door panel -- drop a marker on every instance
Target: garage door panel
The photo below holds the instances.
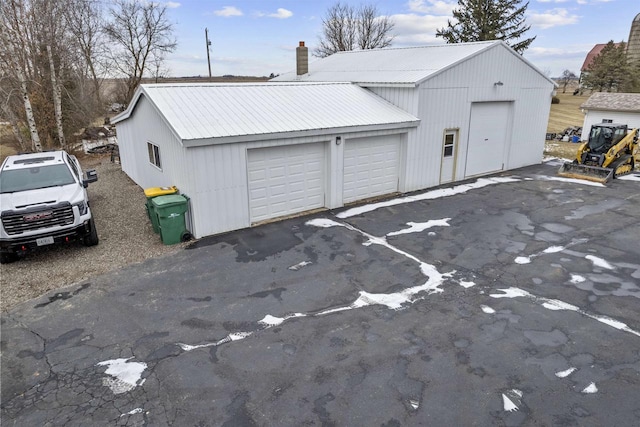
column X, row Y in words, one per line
column 487, row 137
column 292, row 177
column 370, row 167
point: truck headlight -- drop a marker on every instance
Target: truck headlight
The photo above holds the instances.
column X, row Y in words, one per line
column 82, row 207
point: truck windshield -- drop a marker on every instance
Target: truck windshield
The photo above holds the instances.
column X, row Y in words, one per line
column 35, row 177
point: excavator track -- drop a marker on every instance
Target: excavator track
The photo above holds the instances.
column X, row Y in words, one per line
column 623, row 166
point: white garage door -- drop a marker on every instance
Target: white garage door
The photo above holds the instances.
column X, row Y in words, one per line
column 487, row 137
column 370, row 167
column 284, row 180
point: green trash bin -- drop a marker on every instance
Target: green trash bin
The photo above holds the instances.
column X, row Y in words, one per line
column 171, row 212
column 152, row 193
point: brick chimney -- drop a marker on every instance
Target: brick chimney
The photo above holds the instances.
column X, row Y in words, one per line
column 302, row 59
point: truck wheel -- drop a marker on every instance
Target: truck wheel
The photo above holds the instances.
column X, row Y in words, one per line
column 91, row 239
column 8, row 257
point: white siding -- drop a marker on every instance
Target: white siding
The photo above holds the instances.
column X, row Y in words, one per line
column 133, row 135
column 221, row 201
column 445, row 103
column 632, row 120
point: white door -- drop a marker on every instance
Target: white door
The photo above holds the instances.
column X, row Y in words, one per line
column 487, row 137
column 370, row 167
column 285, row 180
column 449, row 154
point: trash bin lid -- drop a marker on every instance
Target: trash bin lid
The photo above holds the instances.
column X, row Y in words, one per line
column 169, row 200
column 160, row 191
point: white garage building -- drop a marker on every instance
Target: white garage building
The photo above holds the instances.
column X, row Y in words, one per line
column 605, row 107
column 357, row 125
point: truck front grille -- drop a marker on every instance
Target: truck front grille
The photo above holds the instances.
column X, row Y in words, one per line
column 15, row 222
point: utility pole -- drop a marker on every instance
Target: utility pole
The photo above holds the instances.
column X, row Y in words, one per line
column 206, row 37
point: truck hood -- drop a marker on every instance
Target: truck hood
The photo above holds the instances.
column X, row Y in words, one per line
column 41, row 196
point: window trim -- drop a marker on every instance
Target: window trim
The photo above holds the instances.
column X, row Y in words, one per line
column 153, row 151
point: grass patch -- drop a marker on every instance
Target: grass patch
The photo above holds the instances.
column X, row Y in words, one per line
column 566, row 113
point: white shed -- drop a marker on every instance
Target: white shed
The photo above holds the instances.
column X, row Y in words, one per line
column 482, row 107
column 604, row 107
column 245, row 153
column 356, row 125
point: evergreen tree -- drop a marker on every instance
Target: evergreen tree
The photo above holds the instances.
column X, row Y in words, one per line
column 609, row 71
column 479, row 20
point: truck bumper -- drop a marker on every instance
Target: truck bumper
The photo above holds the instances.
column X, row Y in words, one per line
column 22, row 245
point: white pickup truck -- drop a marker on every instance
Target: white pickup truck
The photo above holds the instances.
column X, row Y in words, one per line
column 44, row 201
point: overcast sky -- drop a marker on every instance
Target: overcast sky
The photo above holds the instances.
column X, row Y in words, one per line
column 259, row 37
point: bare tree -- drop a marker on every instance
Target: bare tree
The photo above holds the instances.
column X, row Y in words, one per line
column 15, row 60
column 85, row 26
column 52, row 33
column 347, row 28
column 567, row 77
column 139, row 31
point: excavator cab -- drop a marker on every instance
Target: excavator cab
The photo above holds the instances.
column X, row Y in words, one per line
column 603, row 136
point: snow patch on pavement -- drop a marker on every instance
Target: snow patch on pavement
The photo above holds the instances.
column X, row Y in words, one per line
column 429, row 195
column 417, row 227
column 576, row 278
column 549, row 250
column 125, row 375
column 590, row 389
column 557, row 305
column 487, row 309
column 572, row 180
column 511, row 400
column 299, row 265
column 599, row 262
column 632, row 177
column 566, row 372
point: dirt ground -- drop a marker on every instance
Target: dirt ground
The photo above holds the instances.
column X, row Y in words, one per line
column 125, row 232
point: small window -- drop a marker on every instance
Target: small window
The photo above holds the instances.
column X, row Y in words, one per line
column 449, row 140
column 154, row 154
column 607, row 121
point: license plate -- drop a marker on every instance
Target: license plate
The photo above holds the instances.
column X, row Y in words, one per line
column 44, row 241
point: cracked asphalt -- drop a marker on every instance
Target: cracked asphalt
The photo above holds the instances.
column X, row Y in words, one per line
column 522, row 308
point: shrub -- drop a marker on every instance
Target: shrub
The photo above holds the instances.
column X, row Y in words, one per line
column 555, row 100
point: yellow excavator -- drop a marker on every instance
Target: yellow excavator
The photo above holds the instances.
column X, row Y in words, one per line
column 610, row 151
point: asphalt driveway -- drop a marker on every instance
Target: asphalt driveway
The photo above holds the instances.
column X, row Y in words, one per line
column 509, row 300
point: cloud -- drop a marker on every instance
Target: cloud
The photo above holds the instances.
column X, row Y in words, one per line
column 228, row 11
column 555, row 1
column 412, row 29
column 552, row 18
column 438, row 7
column 280, row 14
column 593, row 1
column 172, row 5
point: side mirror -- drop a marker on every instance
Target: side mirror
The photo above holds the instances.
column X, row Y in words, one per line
column 92, row 176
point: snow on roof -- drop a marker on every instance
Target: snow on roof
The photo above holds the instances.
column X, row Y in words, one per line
column 391, row 66
column 613, row 102
column 235, row 112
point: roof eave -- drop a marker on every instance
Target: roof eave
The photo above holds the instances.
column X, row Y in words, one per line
column 387, row 84
column 616, row 110
column 297, row 134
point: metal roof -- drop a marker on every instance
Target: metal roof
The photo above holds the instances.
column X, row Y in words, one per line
column 613, row 102
column 241, row 111
column 394, row 66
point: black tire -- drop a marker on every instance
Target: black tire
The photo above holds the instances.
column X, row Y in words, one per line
column 91, row 239
column 8, row 257
column 185, row 237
